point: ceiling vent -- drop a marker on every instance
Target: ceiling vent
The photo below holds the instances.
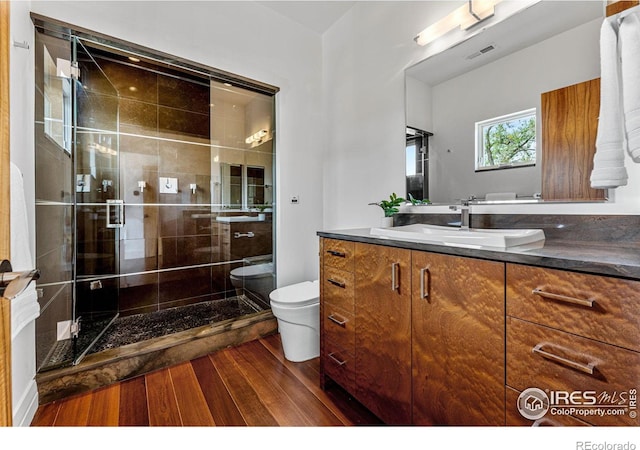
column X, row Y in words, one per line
column 487, row 49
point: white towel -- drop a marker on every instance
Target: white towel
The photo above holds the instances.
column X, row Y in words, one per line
column 629, row 42
column 24, row 309
column 496, row 196
column 21, row 259
column 608, row 162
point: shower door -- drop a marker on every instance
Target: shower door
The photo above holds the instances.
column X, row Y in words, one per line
column 99, row 210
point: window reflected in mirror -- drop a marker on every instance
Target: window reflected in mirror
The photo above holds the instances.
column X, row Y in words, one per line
column 507, row 141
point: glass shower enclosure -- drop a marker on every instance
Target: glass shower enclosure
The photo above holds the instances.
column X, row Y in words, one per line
column 153, row 182
column 99, row 208
column 79, row 212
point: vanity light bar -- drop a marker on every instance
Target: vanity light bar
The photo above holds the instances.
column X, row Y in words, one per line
column 464, row 17
column 256, row 137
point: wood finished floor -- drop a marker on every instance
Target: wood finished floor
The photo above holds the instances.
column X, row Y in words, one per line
column 249, row 385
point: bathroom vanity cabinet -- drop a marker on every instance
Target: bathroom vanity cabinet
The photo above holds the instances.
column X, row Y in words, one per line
column 416, row 337
column 366, row 325
column 383, row 331
column 573, row 332
column 240, row 240
column 437, row 339
column 337, row 312
column 458, row 340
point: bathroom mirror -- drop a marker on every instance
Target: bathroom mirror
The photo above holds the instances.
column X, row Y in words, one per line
column 503, row 69
column 57, row 99
column 242, row 164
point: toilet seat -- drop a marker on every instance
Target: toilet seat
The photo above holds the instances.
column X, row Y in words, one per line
column 254, row 271
column 297, row 295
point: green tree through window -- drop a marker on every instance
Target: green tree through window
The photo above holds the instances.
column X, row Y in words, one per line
column 507, row 141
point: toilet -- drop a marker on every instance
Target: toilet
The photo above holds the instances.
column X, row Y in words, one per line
column 257, row 278
column 297, row 309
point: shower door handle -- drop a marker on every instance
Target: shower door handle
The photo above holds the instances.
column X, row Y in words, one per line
column 118, row 213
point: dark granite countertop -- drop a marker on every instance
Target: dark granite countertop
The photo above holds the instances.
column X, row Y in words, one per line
column 619, row 259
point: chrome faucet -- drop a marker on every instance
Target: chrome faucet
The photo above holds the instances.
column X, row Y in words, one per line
column 465, row 213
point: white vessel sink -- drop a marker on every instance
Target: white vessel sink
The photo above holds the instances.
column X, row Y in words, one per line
column 237, row 219
column 501, row 238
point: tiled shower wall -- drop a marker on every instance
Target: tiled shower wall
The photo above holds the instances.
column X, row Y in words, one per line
column 164, row 128
column 164, row 132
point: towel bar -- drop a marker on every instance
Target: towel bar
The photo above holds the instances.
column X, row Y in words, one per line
column 13, row 283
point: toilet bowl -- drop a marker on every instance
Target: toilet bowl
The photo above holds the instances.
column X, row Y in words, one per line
column 257, row 279
column 297, row 309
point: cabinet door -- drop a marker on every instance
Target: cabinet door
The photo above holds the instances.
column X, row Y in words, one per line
column 458, row 329
column 383, row 331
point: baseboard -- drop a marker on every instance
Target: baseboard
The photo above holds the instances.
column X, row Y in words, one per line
column 25, row 409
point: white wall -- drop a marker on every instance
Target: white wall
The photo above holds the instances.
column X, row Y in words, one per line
column 22, row 80
column 418, row 104
column 245, row 38
column 364, row 57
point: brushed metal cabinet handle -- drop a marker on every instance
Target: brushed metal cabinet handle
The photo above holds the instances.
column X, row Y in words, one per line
column 424, row 286
column 582, row 367
column 336, row 360
column 563, row 298
column 340, row 284
column 395, row 282
column 545, row 422
column 337, row 321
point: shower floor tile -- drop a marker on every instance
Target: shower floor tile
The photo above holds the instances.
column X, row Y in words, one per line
column 141, row 327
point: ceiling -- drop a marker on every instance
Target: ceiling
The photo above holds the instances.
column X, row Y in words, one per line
column 315, row 15
column 549, row 18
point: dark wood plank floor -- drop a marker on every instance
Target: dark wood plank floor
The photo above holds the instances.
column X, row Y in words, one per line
column 249, row 385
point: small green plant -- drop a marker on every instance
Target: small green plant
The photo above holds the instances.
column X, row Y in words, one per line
column 416, row 202
column 390, row 207
column 262, row 207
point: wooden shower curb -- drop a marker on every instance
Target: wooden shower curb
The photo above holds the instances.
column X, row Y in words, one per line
column 101, row 369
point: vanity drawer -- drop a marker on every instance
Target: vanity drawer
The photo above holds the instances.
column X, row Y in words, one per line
column 338, row 288
column 515, row 419
column 339, row 364
column 548, row 359
column 338, row 254
column 602, row 308
column 339, row 326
